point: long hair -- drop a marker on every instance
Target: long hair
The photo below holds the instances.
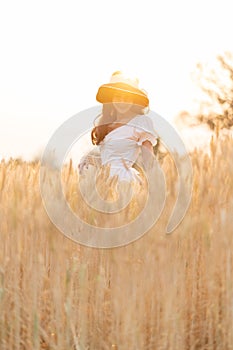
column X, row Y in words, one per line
column 107, row 117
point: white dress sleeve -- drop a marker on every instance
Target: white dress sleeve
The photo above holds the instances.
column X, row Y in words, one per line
column 144, row 130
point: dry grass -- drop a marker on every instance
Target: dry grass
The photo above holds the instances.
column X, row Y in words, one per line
column 158, row 293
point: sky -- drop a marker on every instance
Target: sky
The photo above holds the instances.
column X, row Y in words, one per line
column 55, row 55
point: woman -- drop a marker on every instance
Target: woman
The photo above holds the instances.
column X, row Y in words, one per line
column 123, row 130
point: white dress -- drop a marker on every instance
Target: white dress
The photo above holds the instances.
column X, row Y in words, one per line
column 121, row 146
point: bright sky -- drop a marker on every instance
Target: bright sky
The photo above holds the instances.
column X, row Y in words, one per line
column 55, row 55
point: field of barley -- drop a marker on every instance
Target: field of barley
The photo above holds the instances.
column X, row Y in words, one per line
column 161, row 292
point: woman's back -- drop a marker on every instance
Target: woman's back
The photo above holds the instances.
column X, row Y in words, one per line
column 121, row 146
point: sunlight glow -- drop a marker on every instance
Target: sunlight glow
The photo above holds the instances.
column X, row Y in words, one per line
column 55, row 55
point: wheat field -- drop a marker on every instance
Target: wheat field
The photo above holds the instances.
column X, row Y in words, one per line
column 161, row 292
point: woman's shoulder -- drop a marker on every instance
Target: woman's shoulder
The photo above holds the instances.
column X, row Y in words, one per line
column 143, row 122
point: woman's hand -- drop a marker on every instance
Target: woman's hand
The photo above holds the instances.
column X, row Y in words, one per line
column 84, row 162
column 92, row 158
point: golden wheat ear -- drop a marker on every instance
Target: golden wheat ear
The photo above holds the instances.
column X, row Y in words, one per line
column 161, row 156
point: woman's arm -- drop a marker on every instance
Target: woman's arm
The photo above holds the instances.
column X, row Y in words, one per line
column 92, row 158
column 147, row 154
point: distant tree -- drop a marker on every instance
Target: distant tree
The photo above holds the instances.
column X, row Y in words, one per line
column 217, row 84
column 184, row 119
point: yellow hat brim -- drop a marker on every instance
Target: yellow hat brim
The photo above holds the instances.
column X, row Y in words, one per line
column 106, row 93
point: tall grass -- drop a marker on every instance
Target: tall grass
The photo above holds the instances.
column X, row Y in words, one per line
column 160, row 292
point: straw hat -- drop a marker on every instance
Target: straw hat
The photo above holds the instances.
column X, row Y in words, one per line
column 122, row 86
